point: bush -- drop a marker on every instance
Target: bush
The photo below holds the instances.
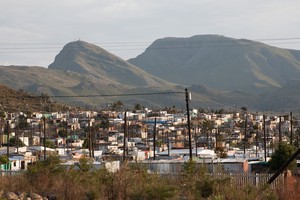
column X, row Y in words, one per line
column 3, row 159
column 282, row 153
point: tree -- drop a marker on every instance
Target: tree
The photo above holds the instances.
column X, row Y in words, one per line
column 22, row 123
column 63, row 133
column 283, row 152
column 3, row 159
column 137, row 106
column 50, row 144
column 207, row 127
column 14, row 142
column 117, row 105
column 2, row 114
column 104, row 122
column 85, row 164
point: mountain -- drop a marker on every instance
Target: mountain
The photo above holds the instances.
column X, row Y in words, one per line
column 85, row 58
column 220, row 62
column 82, row 69
column 220, row 72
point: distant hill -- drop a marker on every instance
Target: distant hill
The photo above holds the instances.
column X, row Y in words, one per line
column 220, row 72
column 83, row 69
column 85, row 58
column 19, row 100
column 220, row 62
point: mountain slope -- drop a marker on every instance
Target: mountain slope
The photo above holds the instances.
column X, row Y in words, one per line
column 89, row 59
column 220, row 62
column 83, row 69
column 16, row 101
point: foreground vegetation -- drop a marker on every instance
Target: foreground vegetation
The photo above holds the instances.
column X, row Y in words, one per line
column 82, row 181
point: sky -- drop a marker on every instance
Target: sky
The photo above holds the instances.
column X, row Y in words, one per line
column 32, row 32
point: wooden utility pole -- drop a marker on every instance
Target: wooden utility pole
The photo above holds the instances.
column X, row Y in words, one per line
column 291, row 122
column 154, row 138
column 44, row 118
column 125, row 136
column 265, row 139
column 17, row 137
column 196, row 141
column 245, row 135
column 1, row 133
column 187, row 99
column 7, row 141
column 280, row 135
column 89, row 138
column 168, row 143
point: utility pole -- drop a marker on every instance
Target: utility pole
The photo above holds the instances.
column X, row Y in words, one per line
column 44, row 118
column 280, row 136
column 154, row 138
column 265, row 142
column 1, row 135
column 291, row 122
column 245, row 135
column 7, row 145
column 89, row 138
column 17, row 137
column 187, row 99
column 125, row 136
column 168, row 143
column 196, row 141
column 256, row 145
column 40, row 133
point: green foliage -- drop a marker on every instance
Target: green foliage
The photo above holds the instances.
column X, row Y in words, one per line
column 117, row 106
column 85, row 143
column 220, row 151
column 3, row 159
column 137, row 106
column 51, row 164
column 22, row 122
column 205, row 188
column 16, row 142
column 2, row 115
column 189, row 168
column 63, row 133
column 207, row 125
column 281, row 155
column 154, row 191
column 104, row 122
column 85, row 164
column 149, row 186
column 50, row 144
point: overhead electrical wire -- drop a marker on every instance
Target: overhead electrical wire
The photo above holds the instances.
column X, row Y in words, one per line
column 127, row 46
column 92, row 96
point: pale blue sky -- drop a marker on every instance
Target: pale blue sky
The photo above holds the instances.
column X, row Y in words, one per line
column 32, row 32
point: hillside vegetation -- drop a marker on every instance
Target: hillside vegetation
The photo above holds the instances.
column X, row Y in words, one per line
column 13, row 101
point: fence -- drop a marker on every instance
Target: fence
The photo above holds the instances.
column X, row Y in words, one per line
column 237, row 179
column 244, row 179
column 10, row 172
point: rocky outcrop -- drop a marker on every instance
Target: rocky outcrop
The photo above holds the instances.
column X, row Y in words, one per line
column 26, row 196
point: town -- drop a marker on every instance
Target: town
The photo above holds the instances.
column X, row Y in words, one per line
column 238, row 141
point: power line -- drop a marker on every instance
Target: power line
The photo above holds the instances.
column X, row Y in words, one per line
column 93, row 96
column 117, row 46
column 136, row 42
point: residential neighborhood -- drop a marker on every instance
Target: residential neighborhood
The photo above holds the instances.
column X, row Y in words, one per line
column 235, row 142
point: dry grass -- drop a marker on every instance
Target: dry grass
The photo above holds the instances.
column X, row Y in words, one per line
column 133, row 182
